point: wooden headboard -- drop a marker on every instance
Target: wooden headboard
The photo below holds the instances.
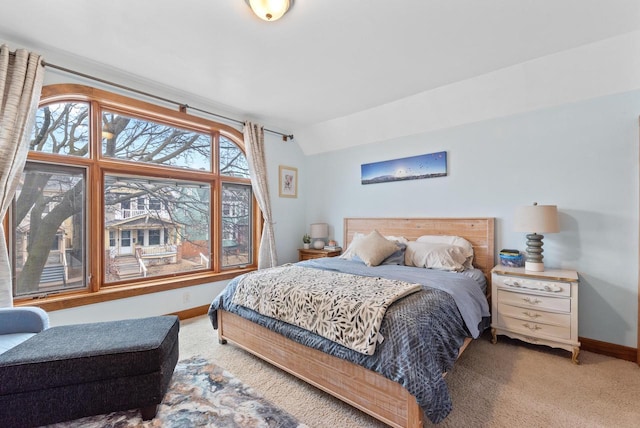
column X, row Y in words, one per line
column 478, row 231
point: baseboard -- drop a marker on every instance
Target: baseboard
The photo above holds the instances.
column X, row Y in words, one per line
column 192, row 312
column 609, row 349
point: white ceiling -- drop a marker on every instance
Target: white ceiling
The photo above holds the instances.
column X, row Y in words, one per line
column 323, row 60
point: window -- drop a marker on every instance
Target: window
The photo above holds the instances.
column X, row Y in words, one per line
column 125, row 239
column 155, row 204
column 236, row 223
column 41, row 260
column 141, row 184
column 154, row 237
column 182, row 208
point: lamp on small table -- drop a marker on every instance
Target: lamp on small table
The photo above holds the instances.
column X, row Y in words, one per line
column 536, row 219
column 319, row 232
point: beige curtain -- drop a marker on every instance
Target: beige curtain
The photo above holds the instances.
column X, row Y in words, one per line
column 21, row 75
column 254, row 142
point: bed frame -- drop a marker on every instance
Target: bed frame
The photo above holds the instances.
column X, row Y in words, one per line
column 364, row 389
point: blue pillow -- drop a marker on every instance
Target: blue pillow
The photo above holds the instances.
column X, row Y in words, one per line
column 397, row 258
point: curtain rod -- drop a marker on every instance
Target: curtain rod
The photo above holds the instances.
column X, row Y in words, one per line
column 182, row 106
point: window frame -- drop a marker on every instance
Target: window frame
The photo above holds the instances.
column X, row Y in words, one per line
column 98, row 290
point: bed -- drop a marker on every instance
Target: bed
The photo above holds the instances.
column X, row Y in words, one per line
column 356, row 384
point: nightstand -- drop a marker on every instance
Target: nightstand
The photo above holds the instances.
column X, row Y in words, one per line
column 536, row 307
column 316, row 254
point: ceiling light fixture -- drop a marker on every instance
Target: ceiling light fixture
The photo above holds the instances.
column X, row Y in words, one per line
column 269, row 10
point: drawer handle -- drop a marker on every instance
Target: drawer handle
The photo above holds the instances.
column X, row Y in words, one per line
column 535, row 327
column 532, row 315
column 531, row 301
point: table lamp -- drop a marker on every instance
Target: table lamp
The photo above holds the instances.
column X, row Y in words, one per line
column 319, row 232
column 536, row 219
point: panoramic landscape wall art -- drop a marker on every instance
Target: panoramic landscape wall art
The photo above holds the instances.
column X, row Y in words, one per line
column 412, row 168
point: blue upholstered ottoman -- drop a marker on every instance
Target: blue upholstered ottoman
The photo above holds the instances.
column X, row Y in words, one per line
column 73, row 371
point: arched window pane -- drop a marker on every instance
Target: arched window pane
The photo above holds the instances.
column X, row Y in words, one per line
column 62, row 129
column 140, row 140
column 233, row 162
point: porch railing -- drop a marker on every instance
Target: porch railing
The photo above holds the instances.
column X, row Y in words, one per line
column 204, row 260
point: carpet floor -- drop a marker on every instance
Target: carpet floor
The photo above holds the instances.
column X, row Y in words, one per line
column 509, row 384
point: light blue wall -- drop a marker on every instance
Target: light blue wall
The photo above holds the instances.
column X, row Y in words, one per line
column 582, row 157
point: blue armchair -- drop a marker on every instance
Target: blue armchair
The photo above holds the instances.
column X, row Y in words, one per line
column 19, row 324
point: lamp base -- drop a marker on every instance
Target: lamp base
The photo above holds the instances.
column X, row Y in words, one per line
column 533, row 260
column 319, row 244
column 534, row 266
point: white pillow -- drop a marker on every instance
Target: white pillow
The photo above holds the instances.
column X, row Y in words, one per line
column 372, row 249
column 435, row 256
column 398, row 239
column 452, row 240
column 349, row 253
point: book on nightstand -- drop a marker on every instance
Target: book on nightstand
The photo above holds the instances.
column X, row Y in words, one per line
column 508, row 252
column 332, row 248
column 511, row 258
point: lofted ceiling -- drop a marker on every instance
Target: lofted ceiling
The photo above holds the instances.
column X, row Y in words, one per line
column 323, row 60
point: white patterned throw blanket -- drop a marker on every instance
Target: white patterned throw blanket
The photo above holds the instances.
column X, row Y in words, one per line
column 345, row 308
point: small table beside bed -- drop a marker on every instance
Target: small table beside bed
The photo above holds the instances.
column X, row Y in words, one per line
column 424, row 297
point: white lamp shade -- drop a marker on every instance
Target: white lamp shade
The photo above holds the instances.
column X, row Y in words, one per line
column 319, row 230
column 537, row 219
column 269, row 10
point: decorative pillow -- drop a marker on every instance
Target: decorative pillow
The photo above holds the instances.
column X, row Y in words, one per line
column 372, row 249
column 397, row 258
column 435, row 256
column 452, row 240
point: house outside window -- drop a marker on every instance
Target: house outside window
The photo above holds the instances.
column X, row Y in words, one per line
column 158, row 172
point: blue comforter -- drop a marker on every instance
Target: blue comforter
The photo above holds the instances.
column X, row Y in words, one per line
column 422, row 331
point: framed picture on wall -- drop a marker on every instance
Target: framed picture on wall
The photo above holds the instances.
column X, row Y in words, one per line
column 412, row 168
column 288, row 181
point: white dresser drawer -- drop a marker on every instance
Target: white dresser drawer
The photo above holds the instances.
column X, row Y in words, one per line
column 533, row 328
column 550, row 288
column 535, row 315
column 534, row 301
